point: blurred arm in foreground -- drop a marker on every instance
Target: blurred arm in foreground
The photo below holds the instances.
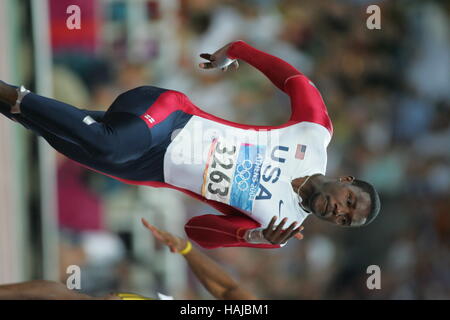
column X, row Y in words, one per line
column 211, row 275
column 44, row 290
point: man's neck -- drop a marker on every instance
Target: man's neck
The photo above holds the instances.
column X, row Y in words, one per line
column 304, row 187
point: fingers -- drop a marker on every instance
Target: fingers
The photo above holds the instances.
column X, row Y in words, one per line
column 207, row 56
column 272, row 223
column 279, row 228
column 146, row 224
column 158, row 234
column 207, row 65
column 293, row 234
column 269, row 230
column 276, row 235
column 163, row 236
column 279, row 232
column 286, row 234
column 152, row 228
column 213, row 63
column 298, row 236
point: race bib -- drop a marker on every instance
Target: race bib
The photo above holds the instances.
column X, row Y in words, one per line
column 232, row 173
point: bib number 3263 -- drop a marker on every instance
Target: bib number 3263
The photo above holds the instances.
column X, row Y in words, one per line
column 218, row 174
column 232, row 174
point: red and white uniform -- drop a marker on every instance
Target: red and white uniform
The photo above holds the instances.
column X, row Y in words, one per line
column 245, row 171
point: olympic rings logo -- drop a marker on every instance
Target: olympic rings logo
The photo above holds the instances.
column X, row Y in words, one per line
column 243, row 174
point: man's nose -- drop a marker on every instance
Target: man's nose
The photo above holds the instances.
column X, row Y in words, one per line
column 338, row 209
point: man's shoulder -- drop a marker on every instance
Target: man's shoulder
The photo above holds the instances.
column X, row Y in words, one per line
column 309, row 131
column 307, row 102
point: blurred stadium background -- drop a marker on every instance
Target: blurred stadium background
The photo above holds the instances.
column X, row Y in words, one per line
column 387, row 92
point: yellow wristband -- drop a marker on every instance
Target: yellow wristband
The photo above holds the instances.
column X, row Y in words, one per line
column 132, row 296
column 186, row 250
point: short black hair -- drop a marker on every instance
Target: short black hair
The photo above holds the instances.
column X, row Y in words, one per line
column 375, row 203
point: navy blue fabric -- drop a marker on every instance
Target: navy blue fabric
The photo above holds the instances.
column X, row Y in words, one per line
column 136, row 101
column 119, row 143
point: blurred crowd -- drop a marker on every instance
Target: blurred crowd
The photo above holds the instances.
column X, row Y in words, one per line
column 387, row 93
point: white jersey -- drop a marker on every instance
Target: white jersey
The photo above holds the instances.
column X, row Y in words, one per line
column 248, row 169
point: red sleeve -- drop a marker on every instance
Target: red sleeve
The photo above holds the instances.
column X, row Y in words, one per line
column 306, row 102
column 277, row 70
column 221, row 207
column 212, row 231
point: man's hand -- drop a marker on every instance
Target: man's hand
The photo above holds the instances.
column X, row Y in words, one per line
column 8, row 94
column 219, row 59
column 276, row 235
column 175, row 243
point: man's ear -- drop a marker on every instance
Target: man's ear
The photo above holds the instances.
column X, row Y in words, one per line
column 347, row 179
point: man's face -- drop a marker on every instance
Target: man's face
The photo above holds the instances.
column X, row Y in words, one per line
column 340, row 202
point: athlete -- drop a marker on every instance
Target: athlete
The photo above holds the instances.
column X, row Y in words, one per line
column 158, row 137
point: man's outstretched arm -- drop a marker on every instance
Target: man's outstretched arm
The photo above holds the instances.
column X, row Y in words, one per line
column 277, row 70
column 306, row 101
column 215, row 231
column 210, row 274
